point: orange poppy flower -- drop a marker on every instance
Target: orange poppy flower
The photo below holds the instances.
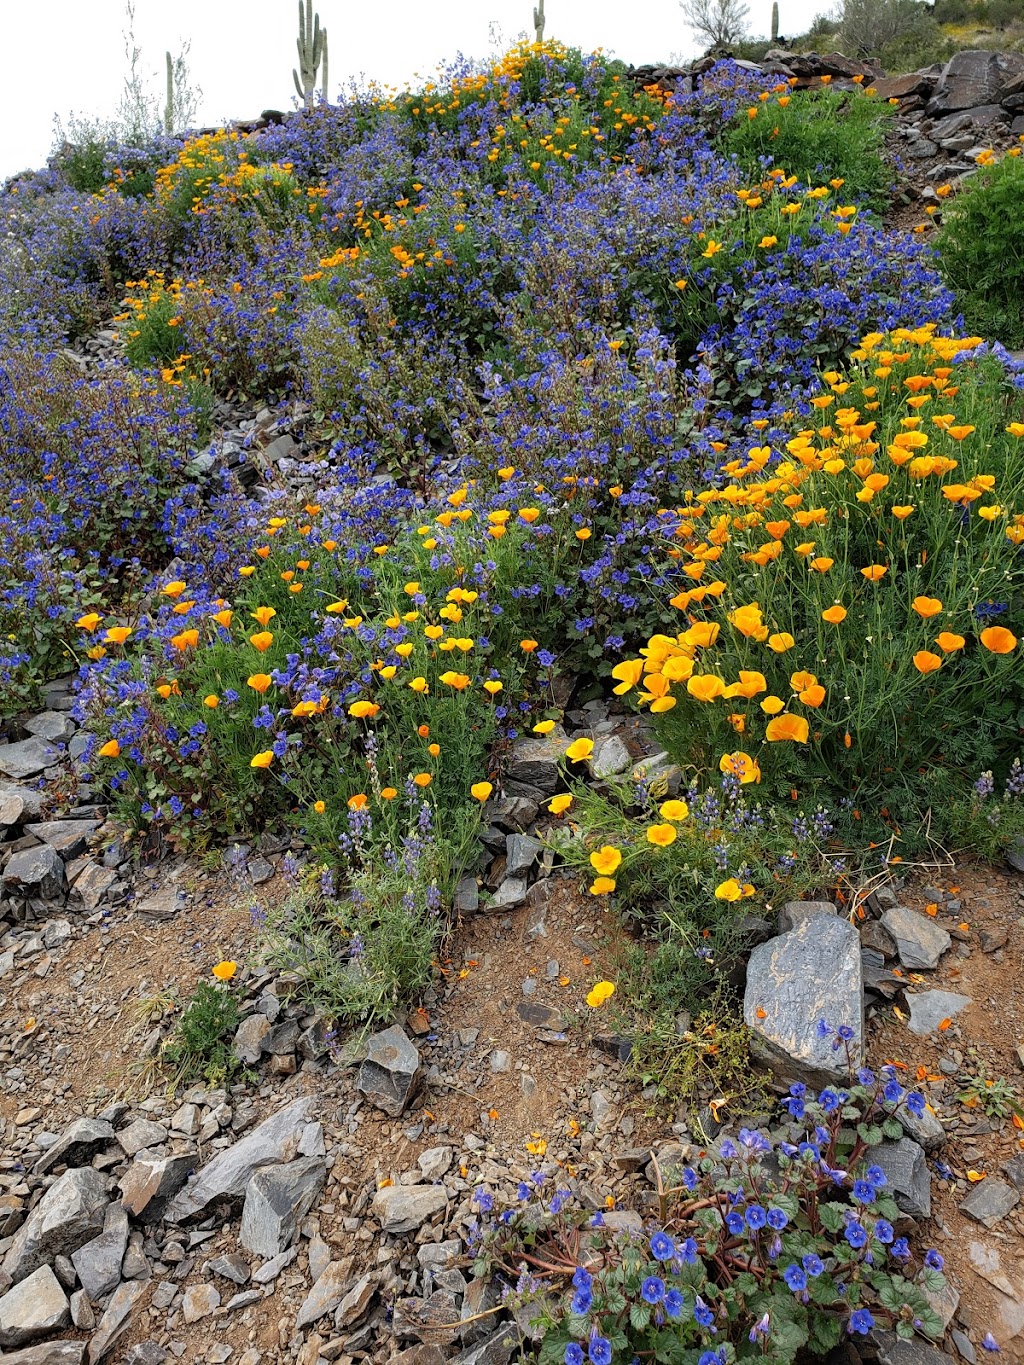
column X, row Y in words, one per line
column 787, row 726
column 998, row 640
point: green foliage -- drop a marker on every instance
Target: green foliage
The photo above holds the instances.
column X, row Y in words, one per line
column 858, row 574
column 358, row 953
column 981, row 250
column 787, row 1249
column 995, row 1096
column 84, row 162
column 819, row 135
column 199, row 1046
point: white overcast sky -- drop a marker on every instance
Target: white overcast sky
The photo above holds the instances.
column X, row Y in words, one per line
column 62, row 56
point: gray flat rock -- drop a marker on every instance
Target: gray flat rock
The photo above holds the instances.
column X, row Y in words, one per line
column 148, row 1183
column 906, row 1170
column 67, row 1216
column 56, row 727
column 389, row 1076
column 405, row 1208
column 68, row 837
column 116, row 1319
column 77, row 1145
column 990, row 1201
column 98, row 1263
column 224, row 1179
column 35, row 871
column 920, row 942
column 929, row 1009
column 34, row 1308
column 48, row 1353
column 276, row 1200
column 793, row 982
column 27, row 758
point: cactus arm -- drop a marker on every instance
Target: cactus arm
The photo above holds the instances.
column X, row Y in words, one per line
column 169, row 106
column 324, row 86
column 775, row 20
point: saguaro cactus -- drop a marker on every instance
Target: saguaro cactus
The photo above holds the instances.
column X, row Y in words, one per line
column 312, row 46
column 538, row 21
column 775, row 21
column 169, row 106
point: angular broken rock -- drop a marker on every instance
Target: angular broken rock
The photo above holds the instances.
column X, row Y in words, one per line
column 793, row 982
column 276, row 1201
column 248, row 1043
column 68, row 1215
column 26, row 758
column 147, row 1184
column 36, row 871
column 48, row 1353
column 98, row 1263
column 610, row 757
column 389, row 1075
column 990, row 1201
column 116, row 1319
column 92, row 884
column 907, row 1177
column 920, row 942
column 326, row 1294
column 405, row 1208
column 68, row 837
column 199, row 1302
column 224, row 1179
column 33, row 1308
column 931, row 1008
column 78, row 1144
column 794, row 913
column 141, row 1134
column 534, row 764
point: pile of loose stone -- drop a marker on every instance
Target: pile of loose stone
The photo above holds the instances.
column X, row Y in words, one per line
column 947, row 114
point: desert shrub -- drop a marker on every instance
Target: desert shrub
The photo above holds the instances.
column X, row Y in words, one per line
column 784, row 1245
column 199, row 1046
column 848, row 605
column 981, row 249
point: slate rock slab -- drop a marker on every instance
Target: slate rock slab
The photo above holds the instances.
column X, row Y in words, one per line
column 36, row 871
column 908, row 1179
column 389, row 1075
column 67, row 1216
column 405, row 1208
column 990, row 1201
column 68, row 837
column 35, row 1307
column 148, row 1184
column 920, row 942
column 975, row 77
column 276, row 1201
column 116, row 1319
column 48, row 1353
column 98, row 1263
column 27, row 758
column 793, row 982
column 794, row 912
column 534, row 764
column 894, row 1350
column 224, row 1179
column 929, row 1009
column 78, row 1144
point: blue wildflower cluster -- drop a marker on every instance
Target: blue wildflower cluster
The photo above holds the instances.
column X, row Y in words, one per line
column 783, row 1242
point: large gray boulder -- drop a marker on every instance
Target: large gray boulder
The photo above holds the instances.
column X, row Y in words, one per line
column 67, row 1216
column 920, row 942
column 225, row 1178
column 390, row 1073
column 37, row 871
column 34, row 1308
column 795, row 981
column 975, row 77
column 405, row 1208
column 276, row 1201
column 80, row 1142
